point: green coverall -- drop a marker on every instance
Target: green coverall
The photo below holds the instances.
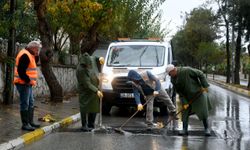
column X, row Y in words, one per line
column 88, row 81
column 188, row 83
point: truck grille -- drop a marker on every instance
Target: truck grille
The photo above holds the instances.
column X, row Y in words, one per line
column 119, row 84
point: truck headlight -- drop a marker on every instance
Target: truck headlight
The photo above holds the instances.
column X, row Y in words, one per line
column 107, row 78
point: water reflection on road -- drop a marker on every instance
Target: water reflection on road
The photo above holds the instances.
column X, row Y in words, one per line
column 230, row 117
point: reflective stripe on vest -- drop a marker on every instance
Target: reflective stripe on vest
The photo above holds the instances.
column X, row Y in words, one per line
column 31, row 71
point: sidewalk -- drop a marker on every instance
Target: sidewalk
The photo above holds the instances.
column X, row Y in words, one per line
column 10, row 121
column 220, row 81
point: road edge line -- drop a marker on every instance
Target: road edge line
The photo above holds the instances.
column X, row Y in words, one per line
column 39, row 133
column 232, row 88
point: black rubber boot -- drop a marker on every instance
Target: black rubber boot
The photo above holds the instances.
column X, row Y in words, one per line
column 31, row 116
column 25, row 121
column 207, row 131
column 185, row 117
column 184, row 132
column 84, row 128
column 91, row 120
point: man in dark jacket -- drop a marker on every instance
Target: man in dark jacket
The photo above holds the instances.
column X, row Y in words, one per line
column 191, row 85
column 152, row 88
column 89, row 93
column 25, row 77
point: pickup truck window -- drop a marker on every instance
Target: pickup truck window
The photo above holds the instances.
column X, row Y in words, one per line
column 136, row 56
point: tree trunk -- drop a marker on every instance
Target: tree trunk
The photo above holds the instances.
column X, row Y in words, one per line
column 248, row 48
column 74, row 44
column 90, row 42
column 9, row 87
column 237, row 52
column 56, row 91
column 228, row 52
column 233, row 53
column 248, row 85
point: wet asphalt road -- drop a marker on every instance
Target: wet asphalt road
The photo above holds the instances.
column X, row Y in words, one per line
column 230, row 118
column 229, row 121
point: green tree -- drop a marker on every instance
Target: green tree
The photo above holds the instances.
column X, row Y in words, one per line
column 240, row 27
column 56, row 92
column 86, row 23
column 200, row 28
column 245, row 10
column 181, row 51
column 137, row 19
column 235, row 15
column 209, row 54
column 224, row 13
column 24, row 21
column 9, row 87
column 77, row 18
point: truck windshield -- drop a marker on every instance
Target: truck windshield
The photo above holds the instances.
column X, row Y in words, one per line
column 136, row 56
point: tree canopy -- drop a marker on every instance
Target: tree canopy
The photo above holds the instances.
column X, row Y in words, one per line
column 196, row 38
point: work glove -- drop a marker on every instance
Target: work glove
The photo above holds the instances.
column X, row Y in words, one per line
column 185, row 106
column 101, row 60
column 204, row 90
column 156, row 93
column 99, row 94
column 139, row 107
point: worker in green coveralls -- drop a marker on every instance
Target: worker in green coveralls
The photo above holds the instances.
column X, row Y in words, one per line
column 192, row 87
column 89, row 93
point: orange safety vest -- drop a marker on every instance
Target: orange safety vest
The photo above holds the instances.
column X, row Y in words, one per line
column 31, row 71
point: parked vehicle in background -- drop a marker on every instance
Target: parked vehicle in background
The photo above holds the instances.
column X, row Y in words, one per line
column 140, row 55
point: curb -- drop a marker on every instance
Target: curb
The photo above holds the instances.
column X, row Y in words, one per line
column 232, row 88
column 38, row 133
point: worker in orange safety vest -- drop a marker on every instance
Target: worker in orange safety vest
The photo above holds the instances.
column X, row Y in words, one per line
column 24, row 78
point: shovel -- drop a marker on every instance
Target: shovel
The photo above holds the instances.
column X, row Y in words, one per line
column 101, row 128
column 120, row 130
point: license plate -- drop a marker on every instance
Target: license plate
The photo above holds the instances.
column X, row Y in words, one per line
column 126, row 95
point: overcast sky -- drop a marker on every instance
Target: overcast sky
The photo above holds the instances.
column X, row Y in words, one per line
column 173, row 9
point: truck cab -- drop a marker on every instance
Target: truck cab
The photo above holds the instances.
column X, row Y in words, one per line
column 139, row 55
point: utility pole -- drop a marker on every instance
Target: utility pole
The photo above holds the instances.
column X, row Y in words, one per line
column 9, row 87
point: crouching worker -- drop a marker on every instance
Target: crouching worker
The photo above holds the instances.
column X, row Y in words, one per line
column 89, row 94
column 152, row 88
column 191, row 85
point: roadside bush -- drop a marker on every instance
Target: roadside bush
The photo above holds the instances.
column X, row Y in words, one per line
column 220, row 69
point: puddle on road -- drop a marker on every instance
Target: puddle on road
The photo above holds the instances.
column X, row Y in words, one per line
column 143, row 131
